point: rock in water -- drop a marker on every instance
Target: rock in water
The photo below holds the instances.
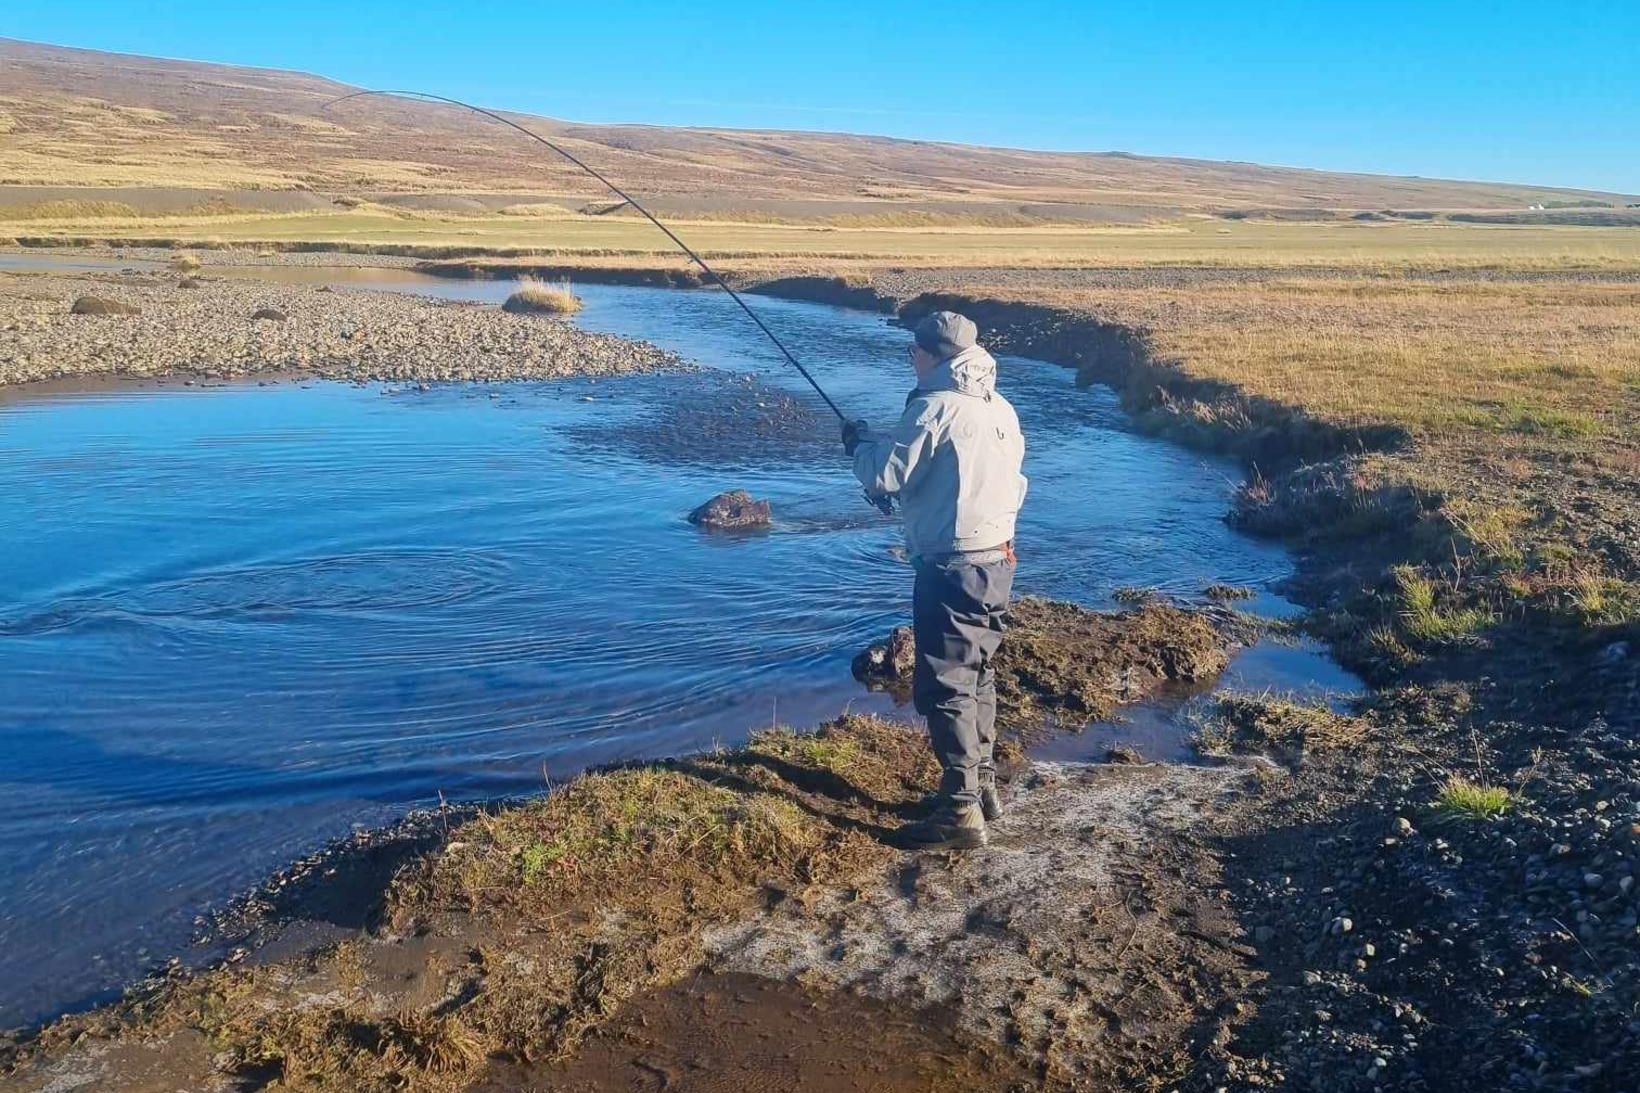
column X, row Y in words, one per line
column 101, row 305
column 888, row 664
column 734, row 509
column 272, row 314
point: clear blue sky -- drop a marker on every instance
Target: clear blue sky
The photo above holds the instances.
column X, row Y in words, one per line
column 1532, row 92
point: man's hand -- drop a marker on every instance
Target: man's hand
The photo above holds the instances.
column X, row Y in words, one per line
column 853, row 433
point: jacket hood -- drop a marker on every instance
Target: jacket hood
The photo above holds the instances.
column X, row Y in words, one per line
column 971, row 372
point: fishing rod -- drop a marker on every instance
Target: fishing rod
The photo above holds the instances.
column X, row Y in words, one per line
column 629, row 199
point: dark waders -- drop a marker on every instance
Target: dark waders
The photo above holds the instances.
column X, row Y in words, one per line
column 957, row 612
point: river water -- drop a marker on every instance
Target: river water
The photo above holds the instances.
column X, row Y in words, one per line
column 241, row 620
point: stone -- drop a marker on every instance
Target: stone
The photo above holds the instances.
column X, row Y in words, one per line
column 732, row 510
column 270, row 314
column 888, row 663
column 101, row 305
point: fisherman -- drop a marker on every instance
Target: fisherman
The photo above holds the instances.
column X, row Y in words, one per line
column 953, row 461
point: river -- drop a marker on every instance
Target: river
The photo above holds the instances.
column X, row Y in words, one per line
column 240, row 620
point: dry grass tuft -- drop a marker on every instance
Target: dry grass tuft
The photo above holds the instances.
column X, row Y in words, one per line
column 543, row 298
column 1068, row 667
column 185, row 263
column 536, row 208
column 601, row 832
column 1273, row 724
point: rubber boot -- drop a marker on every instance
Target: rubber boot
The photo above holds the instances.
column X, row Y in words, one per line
column 990, row 803
column 950, row 826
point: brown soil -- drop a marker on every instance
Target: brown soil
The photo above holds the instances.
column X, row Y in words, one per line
column 733, row 1033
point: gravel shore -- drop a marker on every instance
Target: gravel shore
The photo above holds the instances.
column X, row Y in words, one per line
column 208, row 331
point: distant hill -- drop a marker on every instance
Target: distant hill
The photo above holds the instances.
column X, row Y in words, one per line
column 139, row 127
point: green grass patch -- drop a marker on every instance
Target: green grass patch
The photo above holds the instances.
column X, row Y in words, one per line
column 1598, row 600
column 1423, row 619
column 1463, row 799
column 1491, row 533
column 1543, row 421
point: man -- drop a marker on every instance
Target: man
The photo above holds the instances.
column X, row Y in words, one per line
column 953, row 461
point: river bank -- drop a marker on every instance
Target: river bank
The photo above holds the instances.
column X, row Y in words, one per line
column 1470, row 547
column 1403, row 957
column 201, row 326
column 526, row 928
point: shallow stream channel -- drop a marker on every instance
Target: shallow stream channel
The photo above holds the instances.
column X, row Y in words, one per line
column 241, row 620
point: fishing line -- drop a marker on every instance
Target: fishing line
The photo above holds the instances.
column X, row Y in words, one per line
column 629, row 199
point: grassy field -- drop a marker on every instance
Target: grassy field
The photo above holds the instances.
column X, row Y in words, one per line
column 1520, row 396
column 1191, row 241
column 1533, row 363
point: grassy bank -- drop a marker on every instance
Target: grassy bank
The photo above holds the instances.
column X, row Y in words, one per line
column 1475, row 440
column 1458, row 461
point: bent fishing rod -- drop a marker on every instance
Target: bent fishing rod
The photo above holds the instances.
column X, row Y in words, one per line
column 630, row 200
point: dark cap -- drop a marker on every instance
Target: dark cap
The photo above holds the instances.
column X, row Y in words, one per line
column 946, row 333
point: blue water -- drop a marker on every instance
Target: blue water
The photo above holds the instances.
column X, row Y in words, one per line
column 238, row 621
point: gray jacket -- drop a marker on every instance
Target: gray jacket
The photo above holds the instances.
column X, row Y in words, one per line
column 953, row 460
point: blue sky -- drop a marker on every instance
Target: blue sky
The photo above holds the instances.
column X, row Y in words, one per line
column 1530, row 92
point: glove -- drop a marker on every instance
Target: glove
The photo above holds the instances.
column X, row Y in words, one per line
column 854, row 432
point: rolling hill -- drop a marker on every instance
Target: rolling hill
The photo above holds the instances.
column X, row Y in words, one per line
column 161, row 133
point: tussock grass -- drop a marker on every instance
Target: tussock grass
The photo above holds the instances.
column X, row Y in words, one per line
column 591, row 835
column 1599, row 600
column 1462, row 799
column 1423, row 619
column 1492, row 533
column 536, row 208
column 185, row 263
column 1507, row 364
column 1270, row 723
column 543, row 298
